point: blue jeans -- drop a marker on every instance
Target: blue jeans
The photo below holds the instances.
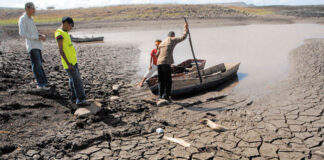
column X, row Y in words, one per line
column 76, row 85
column 37, row 67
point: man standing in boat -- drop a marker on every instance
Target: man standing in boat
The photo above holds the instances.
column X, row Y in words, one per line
column 165, row 59
column 153, row 62
column 69, row 60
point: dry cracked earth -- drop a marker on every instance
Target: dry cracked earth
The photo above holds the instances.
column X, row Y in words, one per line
column 287, row 123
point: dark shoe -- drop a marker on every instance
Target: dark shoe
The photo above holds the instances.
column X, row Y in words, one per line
column 168, row 99
column 83, row 104
column 162, row 102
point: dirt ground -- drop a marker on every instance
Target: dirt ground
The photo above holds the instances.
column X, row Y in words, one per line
column 286, row 123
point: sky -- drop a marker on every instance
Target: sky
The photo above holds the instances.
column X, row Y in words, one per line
column 64, row 4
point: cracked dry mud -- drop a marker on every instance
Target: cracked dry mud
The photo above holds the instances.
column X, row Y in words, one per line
column 287, row 123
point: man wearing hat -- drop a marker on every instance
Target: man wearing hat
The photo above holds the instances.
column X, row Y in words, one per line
column 69, row 60
column 28, row 30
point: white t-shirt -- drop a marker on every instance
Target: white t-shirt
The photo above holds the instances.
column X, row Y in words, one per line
column 28, row 30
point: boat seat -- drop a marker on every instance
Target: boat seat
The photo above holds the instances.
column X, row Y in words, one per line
column 214, row 69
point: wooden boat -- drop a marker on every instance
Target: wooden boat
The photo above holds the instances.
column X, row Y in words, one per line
column 86, row 39
column 211, row 77
column 188, row 66
column 180, row 69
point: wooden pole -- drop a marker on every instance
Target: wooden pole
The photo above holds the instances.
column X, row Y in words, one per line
column 193, row 53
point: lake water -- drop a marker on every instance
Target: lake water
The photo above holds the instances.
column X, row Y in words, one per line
column 262, row 49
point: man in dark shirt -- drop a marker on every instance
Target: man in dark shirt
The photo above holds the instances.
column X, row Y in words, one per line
column 165, row 59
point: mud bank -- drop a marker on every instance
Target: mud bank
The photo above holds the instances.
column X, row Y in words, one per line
column 287, row 123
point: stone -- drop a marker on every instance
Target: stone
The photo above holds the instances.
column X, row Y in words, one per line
column 82, row 112
column 89, row 110
column 113, row 98
column 36, row 157
column 94, row 109
column 115, row 87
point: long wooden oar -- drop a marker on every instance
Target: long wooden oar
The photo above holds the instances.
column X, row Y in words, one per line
column 193, row 53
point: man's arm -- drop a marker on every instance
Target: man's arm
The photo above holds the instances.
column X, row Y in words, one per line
column 183, row 37
column 60, row 45
column 151, row 60
column 158, row 53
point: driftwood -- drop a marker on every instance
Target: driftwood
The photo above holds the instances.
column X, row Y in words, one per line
column 213, row 125
column 4, row 132
column 178, row 140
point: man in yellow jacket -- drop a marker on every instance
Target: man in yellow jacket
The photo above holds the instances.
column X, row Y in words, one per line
column 69, row 60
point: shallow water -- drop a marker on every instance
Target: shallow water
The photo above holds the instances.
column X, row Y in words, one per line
column 262, row 49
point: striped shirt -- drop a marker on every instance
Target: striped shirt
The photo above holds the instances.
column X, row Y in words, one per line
column 28, row 30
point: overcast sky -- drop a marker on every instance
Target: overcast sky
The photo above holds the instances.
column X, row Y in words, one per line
column 63, row 4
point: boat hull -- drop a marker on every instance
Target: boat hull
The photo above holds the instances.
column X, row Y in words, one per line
column 188, row 85
column 80, row 40
column 179, row 70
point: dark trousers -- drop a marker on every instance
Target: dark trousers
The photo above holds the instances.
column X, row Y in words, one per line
column 165, row 80
column 76, row 85
column 37, row 67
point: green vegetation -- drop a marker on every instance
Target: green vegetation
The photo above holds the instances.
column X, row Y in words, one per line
column 37, row 20
column 253, row 11
column 154, row 12
column 8, row 21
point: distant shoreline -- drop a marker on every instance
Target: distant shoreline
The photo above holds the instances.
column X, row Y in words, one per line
column 141, row 17
column 115, row 26
column 152, row 12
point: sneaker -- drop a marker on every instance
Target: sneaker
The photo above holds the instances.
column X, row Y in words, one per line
column 43, row 88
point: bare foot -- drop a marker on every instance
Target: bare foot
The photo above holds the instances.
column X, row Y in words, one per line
column 140, row 85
